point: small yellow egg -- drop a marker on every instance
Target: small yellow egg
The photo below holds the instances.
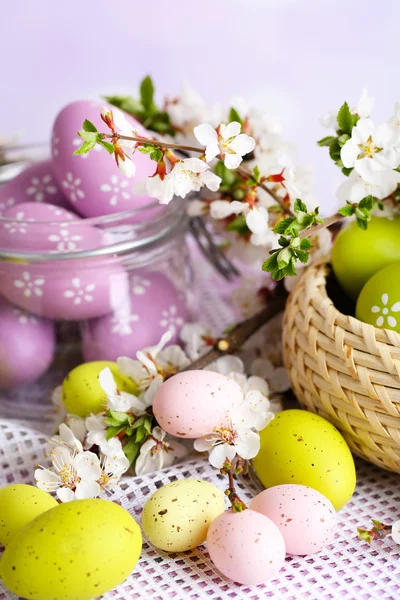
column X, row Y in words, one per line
column 20, row 504
column 82, row 393
column 177, row 516
column 302, row 447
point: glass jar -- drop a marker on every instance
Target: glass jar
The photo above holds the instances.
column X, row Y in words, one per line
column 84, row 290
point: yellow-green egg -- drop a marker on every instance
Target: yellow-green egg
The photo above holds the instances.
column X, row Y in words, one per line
column 75, row 551
column 358, row 254
column 177, row 516
column 82, row 393
column 302, row 447
column 20, row 504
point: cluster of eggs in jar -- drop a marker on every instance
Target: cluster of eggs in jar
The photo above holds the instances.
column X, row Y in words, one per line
column 46, row 211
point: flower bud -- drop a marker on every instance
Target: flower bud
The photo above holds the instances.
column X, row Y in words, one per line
column 107, row 116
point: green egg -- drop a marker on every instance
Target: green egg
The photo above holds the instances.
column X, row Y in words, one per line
column 82, row 393
column 379, row 301
column 20, row 504
column 301, row 447
column 359, row 254
column 75, row 551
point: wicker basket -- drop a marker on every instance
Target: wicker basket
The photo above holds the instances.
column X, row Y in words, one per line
column 344, row 370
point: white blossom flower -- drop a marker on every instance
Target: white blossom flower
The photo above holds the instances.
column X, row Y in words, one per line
column 158, row 452
column 226, row 141
column 197, row 339
column 371, row 150
column 197, row 207
column 117, row 399
column 29, row 285
column 355, row 188
column 191, row 174
column 72, row 186
column 364, row 106
column 188, row 110
column 329, row 120
column 96, row 432
column 161, row 189
column 256, row 216
column 72, row 476
column 385, row 310
column 394, row 120
column 255, row 409
column 396, row 532
column 276, row 376
column 80, row 293
column 117, row 188
column 65, row 438
column 228, row 440
column 225, row 365
column 113, row 466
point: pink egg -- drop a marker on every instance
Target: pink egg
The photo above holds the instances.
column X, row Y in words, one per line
column 246, row 546
column 306, row 519
column 192, row 403
column 36, row 183
column 71, row 290
column 27, row 346
column 92, row 182
column 153, row 307
column 62, row 232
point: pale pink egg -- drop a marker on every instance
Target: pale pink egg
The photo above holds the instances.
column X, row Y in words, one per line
column 36, row 183
column 192, row 403
column 154, row 307
column 37, row 227
column 246, row 546
column 306, row 519
column 27, row 345
column 71, row 290
column 93, row 183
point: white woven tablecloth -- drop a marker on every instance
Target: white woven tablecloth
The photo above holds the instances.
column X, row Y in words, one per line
column 348, row 569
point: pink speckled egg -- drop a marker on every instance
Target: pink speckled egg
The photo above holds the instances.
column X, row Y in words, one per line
column 246, row 546
column 45, row 227
column 71, row 290
column 92, row 182
column 192, row 403
column 27, row 346
column 154, row 307
column 306, row 519
column 36, row 183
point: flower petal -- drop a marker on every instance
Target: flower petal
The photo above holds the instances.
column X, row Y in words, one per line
column 219, row 454
column 248, row 445
column 205, row 134
column 107, row 382
column 47, row 480
column 66, row 495
column 87, row 466
column 230, row 130
column 202, row 444
column 87, row 489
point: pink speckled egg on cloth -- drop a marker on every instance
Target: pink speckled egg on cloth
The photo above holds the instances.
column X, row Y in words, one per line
column 192, row 403
column 306, row 519
column 36, row 183
column 246, row 546
column 27, row 345
column 92, row 182
column 154, row 307
column 79, row 289
column 47, row 228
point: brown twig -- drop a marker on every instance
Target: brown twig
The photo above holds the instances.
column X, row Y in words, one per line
column 328, row 221
column 246, row 173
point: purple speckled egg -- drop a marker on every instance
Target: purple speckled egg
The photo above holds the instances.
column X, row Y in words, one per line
column 36, row 183
column 154, row 307
column 306, row 519
column 92, row 182
column 27, row 346
column 71, row 290
column 45, row 227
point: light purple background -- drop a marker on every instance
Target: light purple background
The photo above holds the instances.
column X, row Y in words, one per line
column 298, row 57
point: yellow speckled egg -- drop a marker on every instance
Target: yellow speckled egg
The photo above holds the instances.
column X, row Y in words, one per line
column 75, row 551
column 302, row 447
column 82, row 393
column 177, row 516
column 20, row 504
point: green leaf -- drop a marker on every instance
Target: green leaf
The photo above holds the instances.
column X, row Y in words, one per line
column 228, row 177
column 256, row 174
column 299, row 206
column 126, row 103
column 239, row 225
column 234, row 115
column 131, row 450
column 345, row 119
column 117, row 415
column 156, row 154
column 342, row 139
column 347, row 170
column 327, row 141
column 113, row 431
column 367, row 203
column 284, row 257
column 302, row 255
column 88, row 136
column 283, row 226
column 109, row 147
column 305, row 244
column 85, row 148
column 141, row 434
column 347, row 211
column 88, row 126
column 147, row 93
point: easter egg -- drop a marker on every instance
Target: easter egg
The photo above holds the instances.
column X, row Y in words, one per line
column 75, row 551
column 379, row 301
column 302, row 447
column 192, row 403
column 36, row 183
column 154, row 307
column 93, row 183
column 358, row 254
column 306, row 519
column 246, row 546
column 71, row 290
column 19, row 505
column 82, row 393
column 47, row 228
column 177, row 516
column 27, row 345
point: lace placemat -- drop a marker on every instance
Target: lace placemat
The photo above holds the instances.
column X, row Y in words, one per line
column 348, row 569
